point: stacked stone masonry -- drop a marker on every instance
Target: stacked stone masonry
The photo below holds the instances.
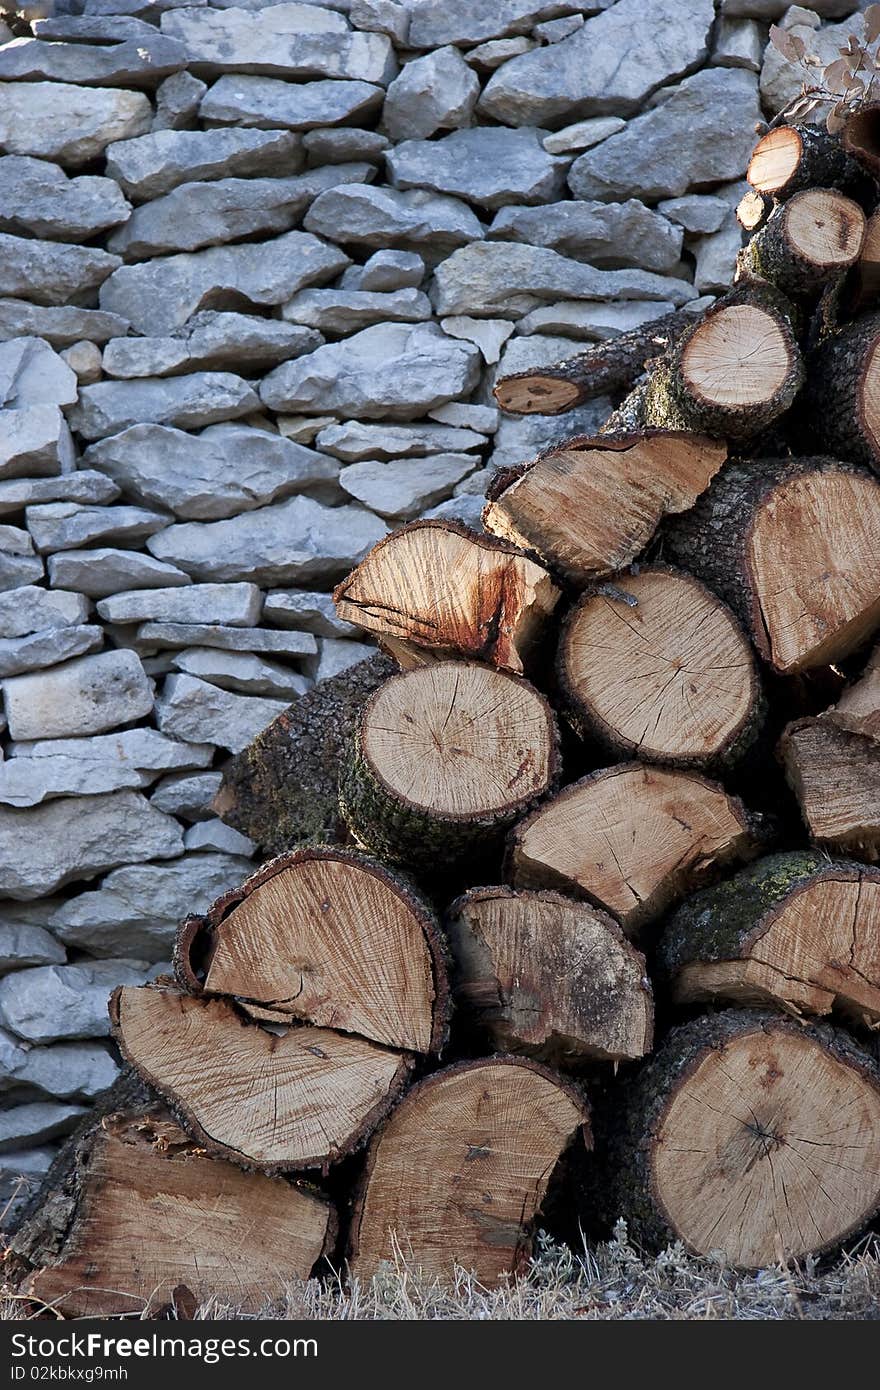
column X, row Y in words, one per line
column 260, row 265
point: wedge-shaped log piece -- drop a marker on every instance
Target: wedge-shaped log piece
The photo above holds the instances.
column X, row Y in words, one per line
column 790, row 158
column 866, row 275
column 440, row 585
column 544, row 975
column 301, row 1100
column 148, row 1210
column 457, row 1176
column 858, row 709
column 836, row 778
column 632, row 838
column 445, row 758
column 843, row 396
column 813, row 238
column 860, row 137
column 797, row 930
column 654, row 665
column 589, row 506
column 749, row 1134
column 327, row 936
column 792, row 547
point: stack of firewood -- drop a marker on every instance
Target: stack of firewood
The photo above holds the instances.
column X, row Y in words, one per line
column 632, row 750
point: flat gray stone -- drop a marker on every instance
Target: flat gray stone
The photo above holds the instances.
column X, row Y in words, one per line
column 238, row 605
column 54, row 1002
column 35, row 1123
column 380, row 16
column 31, row 781
column 352, row 440
column 696, row 212
column 34, row 442
column 242, row 672
column 67, row 123
column 101, row 572
column 16, row 541
column 151, row 165
column 461, row 415
column 435, row 92
column 38, row 198
column 390, row 270
column 465, row 21
column 190, row 401
column 344, row 311
column 194, row 709
column 739, row 43
column 187, row 795
column 177, row 102
column 47, row 648
column 716, row 254
column 161, row 295
column 146, row 750
column 85, row 696
column 336, row 655
column 225, row 470
column 486, row 57
column 84, row 486
column 82, row 1069
column 50, row 272
column 402, row 488
column 286, row 543
column 311, row 611
column 213, row 836
column 32, row 373
column 139, row 908
column 339, row 145
column 291, row 645
column 602, row 234
column 67, row 526
column 594, row 322
column 390, row 371
column 489, row 335
column 62, row 327
column 24, row 941
column 489, row 166
column 524, row 436
column 582, row 135
column 19, row 569
column 211, row 341
column 607, row 68
column 266, row 103
column 702, row 133
column 364, row 215
column 84, row 360
column 132, row 63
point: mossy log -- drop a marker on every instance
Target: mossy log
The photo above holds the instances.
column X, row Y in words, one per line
column 835, row 777
column 790, row 158
column 796, row 930
column 746, row 1133
column 811, row 239
column 842, row 400
column 791, row 545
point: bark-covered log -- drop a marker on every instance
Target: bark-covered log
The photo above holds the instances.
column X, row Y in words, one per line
column 790, row 158
column 602, row 369
column 808, row 241
column 797, row 930
column 325, row 936
column 753, row 209
column 842, row 400
column 865, row 277
column 304, row 1099
column 457, row 1176
column 282, row 790
column 550, row 977
column 654, row 666
column 633, row 838
column 860, row 137
column 791, row 545
column 858, row 709
column 836, row 779
column 746, row 1133
column 588, row 506
column 141, row 1210
column 439, row 585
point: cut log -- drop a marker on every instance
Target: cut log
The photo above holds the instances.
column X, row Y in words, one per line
column 603, row 369
column 282, row 790
column 736, row 371
column 790, row 158
column 812, row 239
column 836, row 779
column 544, row 975
column 860, row 137
column 858, row 709
column 279, row 1103
column 842, row 399
column 791, row 545
column 753, row 209
column 633, row 839
column 867, row 271
column 439, row 585
column 589, row 506
column 145, row 1210
column 655, row 666
column 457, row 1176
column 796, row 930
column 325, row 936
column 749, row 1134
column 445, row 758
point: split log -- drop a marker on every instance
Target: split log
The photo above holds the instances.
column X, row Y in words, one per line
column 860, row 137
column 655, row 666
column 791, row 545
column 304, row 1099
column 813, row 238
column 842, row 400
column 589, row 506
column 603, row 369
column 633, row 838
column 325, row 936
column 457, row 1176
column 747, row 1133
column 866, row 275
column 836, row 779
column 791, row 158
column 439, row 585
column 797, row 930
column 143, row 1210
column 858, row 709
column 549, row 977
column 753, row 209
column 445, row 758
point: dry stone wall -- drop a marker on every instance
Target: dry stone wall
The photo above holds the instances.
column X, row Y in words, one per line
column 259, row 267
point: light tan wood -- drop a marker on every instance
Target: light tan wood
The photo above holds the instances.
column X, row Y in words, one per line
column 836, row 778
column 736, row 357
column 812, row 552
column 768, row 1150
column 537, row 393
column 457, row 1175
column 869, row 394
column 858, row 709
column 155, row 1212
column 297, row 1100
column 634, row 838
column 589, row 507
column 667, row 676
column 825, row 227
column 752, row 210
column 869, row 262
column 441, row 587
column 774, row 159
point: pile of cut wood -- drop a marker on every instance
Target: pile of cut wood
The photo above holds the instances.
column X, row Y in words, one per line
column 632, row 750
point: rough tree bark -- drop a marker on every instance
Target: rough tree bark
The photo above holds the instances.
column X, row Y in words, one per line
column 808, row 241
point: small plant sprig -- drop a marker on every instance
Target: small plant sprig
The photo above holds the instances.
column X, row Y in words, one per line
column 846, row 83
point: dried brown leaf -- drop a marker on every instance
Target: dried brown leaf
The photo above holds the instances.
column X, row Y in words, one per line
column 789, row 45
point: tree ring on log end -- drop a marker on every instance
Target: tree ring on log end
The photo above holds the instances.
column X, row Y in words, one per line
column 824, row 228
column 738, row 356
column 774, row 159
